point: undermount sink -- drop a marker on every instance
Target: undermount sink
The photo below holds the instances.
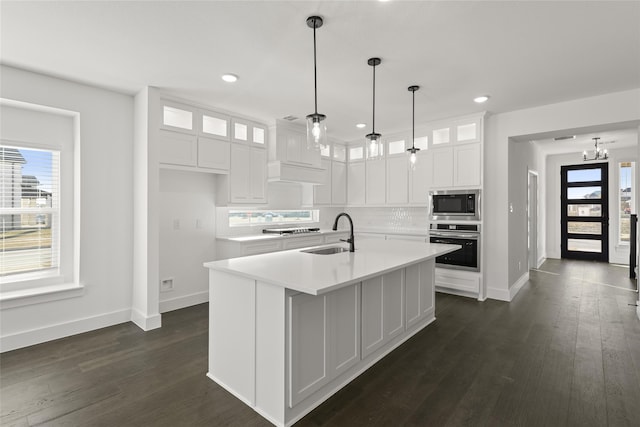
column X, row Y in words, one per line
column 326, row 251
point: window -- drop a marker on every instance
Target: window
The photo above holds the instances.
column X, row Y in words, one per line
column 29, row 211
column 238, row 218
column 39, row 203
column 626, row 200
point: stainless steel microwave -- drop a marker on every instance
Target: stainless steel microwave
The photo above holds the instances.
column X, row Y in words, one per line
column 454, row 205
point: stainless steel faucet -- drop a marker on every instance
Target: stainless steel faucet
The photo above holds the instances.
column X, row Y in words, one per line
column 351, row 239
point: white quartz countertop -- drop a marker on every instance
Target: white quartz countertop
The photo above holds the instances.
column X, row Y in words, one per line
column 317, row 274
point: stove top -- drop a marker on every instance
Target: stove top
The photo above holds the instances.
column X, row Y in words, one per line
column 292, row 230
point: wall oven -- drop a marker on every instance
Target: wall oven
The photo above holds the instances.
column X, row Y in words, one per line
column 455, row 205
column 465, row 235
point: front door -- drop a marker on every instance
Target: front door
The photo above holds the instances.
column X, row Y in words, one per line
column 585, row 212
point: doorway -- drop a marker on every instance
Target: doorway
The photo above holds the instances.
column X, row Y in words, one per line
column 532, row 219
column 585, row 212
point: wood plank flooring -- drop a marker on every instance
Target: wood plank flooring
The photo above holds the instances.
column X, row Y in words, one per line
column 565, row 352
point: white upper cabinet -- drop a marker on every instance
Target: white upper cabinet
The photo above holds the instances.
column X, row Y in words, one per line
column 175, row 148
column 178, row 117
column 216, row 125
column 398, row 180
column 466, row 165
column 441, row 162
column 213, row 153
column 375, row 182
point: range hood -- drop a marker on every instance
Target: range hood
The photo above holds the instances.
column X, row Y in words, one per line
column 292, row 172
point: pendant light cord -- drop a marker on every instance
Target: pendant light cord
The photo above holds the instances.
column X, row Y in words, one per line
column 315, row 72
column 413, row 121
column 374, row 100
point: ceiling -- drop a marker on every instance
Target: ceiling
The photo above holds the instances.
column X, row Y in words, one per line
column 523, row 54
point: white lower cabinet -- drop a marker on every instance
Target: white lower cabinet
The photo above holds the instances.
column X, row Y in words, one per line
column 382, row 310
column 419, row 292
column 324, row 337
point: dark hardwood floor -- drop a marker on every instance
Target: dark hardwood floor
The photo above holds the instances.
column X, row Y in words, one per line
column 565, row 352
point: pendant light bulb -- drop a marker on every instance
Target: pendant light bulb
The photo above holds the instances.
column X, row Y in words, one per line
column 316, row 128
column 413, row 150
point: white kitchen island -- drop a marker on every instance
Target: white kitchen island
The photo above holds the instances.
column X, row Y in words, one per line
column 289, row 329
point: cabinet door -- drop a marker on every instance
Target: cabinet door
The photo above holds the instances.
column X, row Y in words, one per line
column 355, row 183
column 322, row 192
column 344, row 329
column 240, row 173
column 419, row 294
column 214, row 153
column 258, row 175
column 307, row 330
column 441, row 161
column 419, row 181
column 382, row 310
column 398, row 180
column 177, row 148
column 466, row 165
column 375, row 182
column 339, row 183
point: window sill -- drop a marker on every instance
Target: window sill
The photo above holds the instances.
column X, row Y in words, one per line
column 23, row 297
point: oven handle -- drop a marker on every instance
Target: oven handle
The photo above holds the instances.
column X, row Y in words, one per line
column 455, row 235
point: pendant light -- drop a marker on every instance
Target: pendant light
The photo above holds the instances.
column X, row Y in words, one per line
column 413, row 150
column 316, row 128
column 374, row 140
column 597, row 154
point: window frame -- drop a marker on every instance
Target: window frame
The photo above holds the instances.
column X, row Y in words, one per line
column 28, row 288
column 619, row 162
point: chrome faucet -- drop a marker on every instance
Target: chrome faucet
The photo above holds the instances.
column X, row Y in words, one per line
column 350, row 240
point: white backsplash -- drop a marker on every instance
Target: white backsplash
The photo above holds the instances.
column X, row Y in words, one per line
column 393, row 219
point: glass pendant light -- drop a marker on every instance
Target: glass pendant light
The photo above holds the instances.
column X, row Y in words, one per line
column 374, row 140
column 316, row 127
column 413, row 150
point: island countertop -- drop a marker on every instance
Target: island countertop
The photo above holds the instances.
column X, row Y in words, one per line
column 317, row 274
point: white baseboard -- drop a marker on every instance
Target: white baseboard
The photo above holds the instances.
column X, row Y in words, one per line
column 61, row 330
column 513, row 290
column 638, row 309
column 146, row 323
column 498, row 294
column 541, row 261
column 184, row 301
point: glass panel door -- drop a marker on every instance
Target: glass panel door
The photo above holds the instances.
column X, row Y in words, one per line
column 585, row 212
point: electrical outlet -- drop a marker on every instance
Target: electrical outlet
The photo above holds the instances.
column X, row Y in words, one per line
column 166, row 285
column 519, row 265
column 176, row 224
column 198, row 223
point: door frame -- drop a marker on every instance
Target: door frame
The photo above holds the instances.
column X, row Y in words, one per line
column 603, row 255
column 533, row 203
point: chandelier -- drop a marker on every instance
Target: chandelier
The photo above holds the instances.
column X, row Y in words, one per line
column 598, row 154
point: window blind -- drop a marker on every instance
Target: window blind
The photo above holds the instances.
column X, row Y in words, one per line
column 29, row 210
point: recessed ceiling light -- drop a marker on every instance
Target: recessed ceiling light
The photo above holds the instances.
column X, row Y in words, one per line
column 229, row 78
column 481, row 99
column 361, row 125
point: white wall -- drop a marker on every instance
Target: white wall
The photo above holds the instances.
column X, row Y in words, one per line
column 566, row 116
column 106, row 135
column 617, row 253
column 187, row 236
column 523, row 156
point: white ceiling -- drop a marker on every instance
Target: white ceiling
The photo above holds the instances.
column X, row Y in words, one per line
column 523, row 54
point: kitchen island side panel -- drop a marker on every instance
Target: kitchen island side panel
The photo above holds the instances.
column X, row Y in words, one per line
column 232, row 333
column 271, row 358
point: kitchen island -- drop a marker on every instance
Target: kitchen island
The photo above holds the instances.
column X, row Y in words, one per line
column 289, row 329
